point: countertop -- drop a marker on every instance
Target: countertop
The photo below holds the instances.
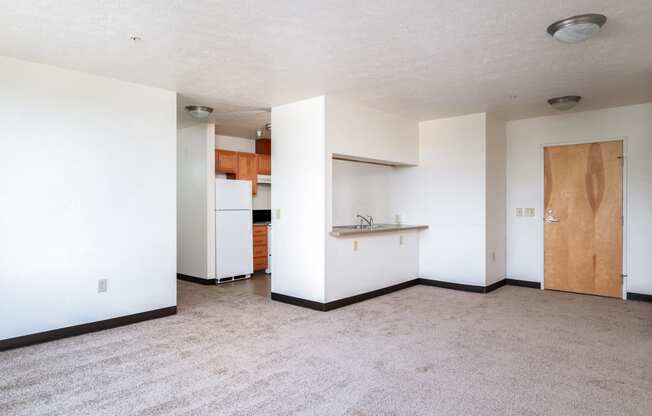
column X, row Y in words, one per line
column 346, row 230
column 263, row 223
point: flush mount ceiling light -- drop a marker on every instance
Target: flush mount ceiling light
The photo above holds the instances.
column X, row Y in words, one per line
column 564, row 103
column 577, row 28
column 199, row 111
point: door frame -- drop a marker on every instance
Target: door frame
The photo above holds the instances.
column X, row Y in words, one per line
column 541, row 238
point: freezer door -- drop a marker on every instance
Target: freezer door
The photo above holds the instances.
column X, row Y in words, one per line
column 233, row 244
column 232, row 194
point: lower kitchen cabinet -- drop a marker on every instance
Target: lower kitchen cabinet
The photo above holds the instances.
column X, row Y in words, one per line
column 260, row 247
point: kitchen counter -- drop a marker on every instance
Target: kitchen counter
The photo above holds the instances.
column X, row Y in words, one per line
column 346, row 230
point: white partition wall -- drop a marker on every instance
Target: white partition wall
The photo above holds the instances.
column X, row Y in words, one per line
column 87, row 192
column 299, row 199
column 196, row 201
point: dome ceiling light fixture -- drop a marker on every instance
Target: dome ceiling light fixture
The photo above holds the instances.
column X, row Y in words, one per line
column 564, row 103
column 199, row 111
column 577, row 28
column 268, row 127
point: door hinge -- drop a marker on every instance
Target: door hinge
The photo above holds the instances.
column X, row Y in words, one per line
column 622, row 278
column 622, row 160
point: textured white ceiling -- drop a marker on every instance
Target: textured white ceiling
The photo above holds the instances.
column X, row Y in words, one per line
column 423, row 59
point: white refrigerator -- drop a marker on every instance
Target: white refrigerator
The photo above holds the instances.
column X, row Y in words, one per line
column 233, row 229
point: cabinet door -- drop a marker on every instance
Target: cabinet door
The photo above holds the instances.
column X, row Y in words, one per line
column 264, row 165
column 248, row 169
column 264, row 146
column 260, row 247
column 226, row 161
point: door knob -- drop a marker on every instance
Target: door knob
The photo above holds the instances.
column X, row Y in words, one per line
column 550, row 216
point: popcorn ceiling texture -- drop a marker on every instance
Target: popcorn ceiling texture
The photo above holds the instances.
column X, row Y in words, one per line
column 419, row 351
column 422, row 59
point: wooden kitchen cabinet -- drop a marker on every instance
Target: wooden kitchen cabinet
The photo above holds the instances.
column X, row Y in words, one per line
column 240, row 165
column 260, row 247
column 264, row 164
column 264, row 146
column 247, row 169
column 226, row 161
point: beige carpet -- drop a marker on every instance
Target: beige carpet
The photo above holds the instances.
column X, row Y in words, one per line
column 420, row 351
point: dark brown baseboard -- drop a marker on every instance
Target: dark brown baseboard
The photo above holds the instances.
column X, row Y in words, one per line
column 328, row 306
column 523, row 283
column 495, row 286
column 323, row 307
column 639, row 296
column 193, row 279
column 454, row 286
column 304, row 303
column 71, row 331
column 368, row 295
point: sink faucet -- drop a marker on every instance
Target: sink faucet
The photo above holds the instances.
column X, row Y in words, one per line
column 369, row 221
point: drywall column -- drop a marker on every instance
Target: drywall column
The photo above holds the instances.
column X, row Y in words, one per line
column 495, row 200
column 458, row 189
column 196, row 201
column 299, row 199
column 452, row 175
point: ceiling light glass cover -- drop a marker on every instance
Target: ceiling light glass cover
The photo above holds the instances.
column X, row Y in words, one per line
column 199, row 111
column 577, row 28
column 564, row 103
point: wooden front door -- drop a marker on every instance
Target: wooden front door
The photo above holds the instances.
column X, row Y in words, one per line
column 583, row 218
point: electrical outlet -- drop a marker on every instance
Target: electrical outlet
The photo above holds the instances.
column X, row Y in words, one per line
column 397, row 218
column 277, row 214
column 519, row 212
column 493, row 256
column 529, row 212
column 102, row 285
column 400, row 240
column 355, row 245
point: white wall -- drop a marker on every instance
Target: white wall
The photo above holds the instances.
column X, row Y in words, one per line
column 299, row 161
column 451, row 175
column 524, row 184
column 196, row 201
column 495, row 187
column 363, row 132
column 87, row 191
column 263, row 197
column 361, row 188
column 236, row 144
column 380, row 260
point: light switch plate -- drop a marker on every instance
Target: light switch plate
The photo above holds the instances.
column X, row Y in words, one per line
column 277, row 214
column 529, row 212
column 355, row 245
column 102, row 285
column 519, row 212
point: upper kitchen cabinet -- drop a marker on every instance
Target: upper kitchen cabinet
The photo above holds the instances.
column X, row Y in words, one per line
column 264, row 146
column 226, row 161
column 264, row 164
column 248, row 169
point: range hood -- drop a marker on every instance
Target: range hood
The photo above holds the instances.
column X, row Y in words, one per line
column 264, row 179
